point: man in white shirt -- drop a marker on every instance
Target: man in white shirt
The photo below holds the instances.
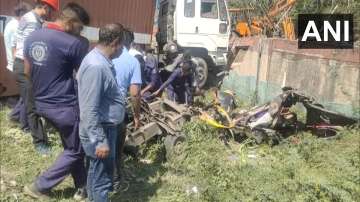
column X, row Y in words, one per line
column 10, row 32
column 18, row 113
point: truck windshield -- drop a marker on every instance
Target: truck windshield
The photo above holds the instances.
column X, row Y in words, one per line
column 209, row 9
column 222, row 11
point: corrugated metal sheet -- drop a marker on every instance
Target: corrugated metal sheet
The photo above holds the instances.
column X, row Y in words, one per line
column 6, row 6
column 134, row 14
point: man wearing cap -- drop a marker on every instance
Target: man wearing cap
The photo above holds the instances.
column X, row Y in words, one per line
column 52, row 54
column 172, row 56
column 30, row 22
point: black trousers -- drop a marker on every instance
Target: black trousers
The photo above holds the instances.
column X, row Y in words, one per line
column 119, row 150
column 25, row 88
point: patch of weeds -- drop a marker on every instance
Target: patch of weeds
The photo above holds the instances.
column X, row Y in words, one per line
column 309, row 169
column 21, row 164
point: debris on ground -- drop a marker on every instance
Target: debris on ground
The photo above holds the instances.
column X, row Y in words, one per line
column 268, row 123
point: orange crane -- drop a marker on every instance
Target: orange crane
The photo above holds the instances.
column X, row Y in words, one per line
column 267, row 22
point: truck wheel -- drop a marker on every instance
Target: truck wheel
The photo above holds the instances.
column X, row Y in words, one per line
column 170, row 143
column 201, row 71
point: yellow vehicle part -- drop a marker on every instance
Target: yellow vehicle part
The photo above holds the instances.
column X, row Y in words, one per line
column 212, row 122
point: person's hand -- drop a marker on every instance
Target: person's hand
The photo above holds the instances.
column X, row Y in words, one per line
column 102, row 151
column 136, row 123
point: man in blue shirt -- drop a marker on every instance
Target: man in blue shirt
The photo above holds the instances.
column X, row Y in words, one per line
column 128, row 76
column 102, row 109
column 52, row 54
column 179, row 86
column 152, row 77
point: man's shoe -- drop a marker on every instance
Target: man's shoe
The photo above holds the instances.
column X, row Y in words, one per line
column 80, row 194
column 32, row 191
column 43, row 149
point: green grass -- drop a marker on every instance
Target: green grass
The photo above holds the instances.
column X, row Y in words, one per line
column 301, row 168
column 20, row 162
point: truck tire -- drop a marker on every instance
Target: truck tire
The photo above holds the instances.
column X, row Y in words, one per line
column 170, row 143
column 202, row 71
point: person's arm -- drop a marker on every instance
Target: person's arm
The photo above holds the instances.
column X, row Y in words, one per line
column 13, row 43
column 135, row 88
column 14, row 52
column 175, row 63
column 146, row 89
column 155, row 77
column 91, row 87
column 171, row 78
column 136, row 103
column 27, row 67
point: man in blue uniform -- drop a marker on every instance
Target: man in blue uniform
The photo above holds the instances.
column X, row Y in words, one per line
column 52, row 54
column 179, row 85
column 152, row 78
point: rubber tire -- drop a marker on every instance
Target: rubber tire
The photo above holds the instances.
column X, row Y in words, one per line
column 202, row 68
column 170, row 142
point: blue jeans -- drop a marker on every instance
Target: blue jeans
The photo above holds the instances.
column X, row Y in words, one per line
column 100, row 173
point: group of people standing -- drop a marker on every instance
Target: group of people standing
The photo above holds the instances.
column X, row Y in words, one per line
column 82, row 93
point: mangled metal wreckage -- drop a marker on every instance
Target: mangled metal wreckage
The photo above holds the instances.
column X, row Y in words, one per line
column 161, row 117
column 274, row 120
column 270, row 122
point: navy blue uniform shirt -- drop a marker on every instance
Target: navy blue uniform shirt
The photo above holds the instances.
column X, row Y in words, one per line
column 53, row 56
column 151, row 73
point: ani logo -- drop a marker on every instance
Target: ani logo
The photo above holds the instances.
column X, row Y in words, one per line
column 39, row 51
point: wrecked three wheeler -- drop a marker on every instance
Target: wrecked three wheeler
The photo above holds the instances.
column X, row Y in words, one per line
column 274, row 120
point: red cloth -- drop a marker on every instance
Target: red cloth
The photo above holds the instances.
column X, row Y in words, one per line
column 52, row 25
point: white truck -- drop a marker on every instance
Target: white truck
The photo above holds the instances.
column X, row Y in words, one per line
column 201, row 27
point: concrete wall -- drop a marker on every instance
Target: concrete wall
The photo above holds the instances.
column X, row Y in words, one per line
column 264, row 65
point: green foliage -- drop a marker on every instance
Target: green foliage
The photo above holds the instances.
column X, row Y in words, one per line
column 302, row 168
column 20, row 162
column 261, row 7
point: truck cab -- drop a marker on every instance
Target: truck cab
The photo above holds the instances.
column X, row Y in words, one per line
column 201, row 27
